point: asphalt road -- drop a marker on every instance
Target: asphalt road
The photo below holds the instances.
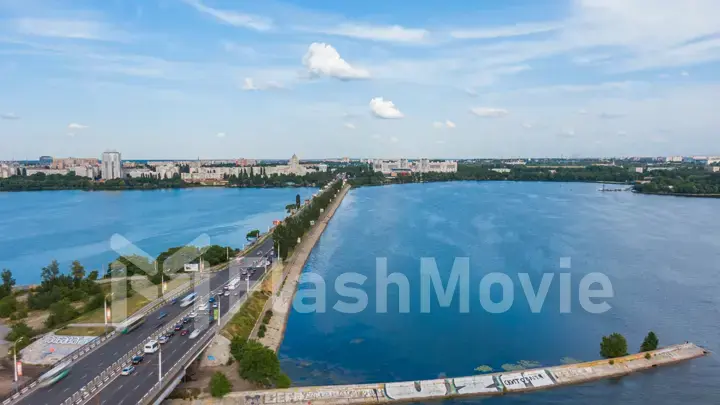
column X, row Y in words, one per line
column 129, row 389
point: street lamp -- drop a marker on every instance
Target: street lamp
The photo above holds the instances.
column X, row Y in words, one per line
column 106, row 313
column 15, row 358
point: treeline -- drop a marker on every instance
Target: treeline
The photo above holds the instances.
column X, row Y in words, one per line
column 170, row 262
column 258, row 178
column 286, row 234
column 687, row 181
column 41, row 181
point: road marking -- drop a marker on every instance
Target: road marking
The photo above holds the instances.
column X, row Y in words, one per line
column 85, row 375
column 66, row 389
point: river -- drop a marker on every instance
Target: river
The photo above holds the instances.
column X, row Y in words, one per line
column 661, row 255
column 38, row 227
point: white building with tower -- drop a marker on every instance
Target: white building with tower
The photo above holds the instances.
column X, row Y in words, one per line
column 111, row 165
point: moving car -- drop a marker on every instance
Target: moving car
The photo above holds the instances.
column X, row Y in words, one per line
column 184, row 332
column 203, row 307
column 227, row 293
column 128, row 370
column 162, row 315
column 179, row 326
column 163, row 339
column 174, row 300
column 170, row 333
column 214, row 304
column 195, row 333
column 186, row 319
column 137, row 359
column 151, row 346
column 192, row 315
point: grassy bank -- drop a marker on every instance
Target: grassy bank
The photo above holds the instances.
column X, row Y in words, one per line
column 80, row 331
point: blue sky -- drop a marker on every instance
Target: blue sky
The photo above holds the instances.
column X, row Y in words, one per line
column 321, row 78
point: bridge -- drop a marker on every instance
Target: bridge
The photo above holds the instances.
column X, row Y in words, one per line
column 95, row 373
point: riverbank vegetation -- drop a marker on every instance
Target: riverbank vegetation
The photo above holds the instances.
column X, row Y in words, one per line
column 689, row 182
column 286, row 234
column 41, row 181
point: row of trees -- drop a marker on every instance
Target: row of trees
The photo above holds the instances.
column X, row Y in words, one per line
column 287, row 233
column 261, row 179
column 258, row 364
column 615, row 345
column 684, row 181
column 41, row 181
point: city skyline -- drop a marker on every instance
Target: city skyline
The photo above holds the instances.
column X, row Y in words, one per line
column 179, row 79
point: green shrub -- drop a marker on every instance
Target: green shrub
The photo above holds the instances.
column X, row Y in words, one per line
column 283, row 381
column 647, row 356
column 219, row 385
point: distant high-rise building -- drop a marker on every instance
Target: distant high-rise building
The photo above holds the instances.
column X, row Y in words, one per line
column 111, row 165
column 45, row 160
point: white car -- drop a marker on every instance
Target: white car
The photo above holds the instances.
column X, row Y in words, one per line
column 128, row 370
column 203, row 307
column 192, row 314
column 195, row 333
column 227, row 293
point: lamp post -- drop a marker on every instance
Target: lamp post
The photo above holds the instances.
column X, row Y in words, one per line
column 105, row 309
column 160, row 363
column 15, row 358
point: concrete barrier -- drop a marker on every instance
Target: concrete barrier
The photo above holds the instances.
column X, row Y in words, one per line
column 479, row 385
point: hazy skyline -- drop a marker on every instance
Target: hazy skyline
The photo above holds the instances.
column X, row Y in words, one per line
column 219, row 79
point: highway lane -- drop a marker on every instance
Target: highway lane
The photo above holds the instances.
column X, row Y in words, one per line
column 130, row 389
column 87, row 368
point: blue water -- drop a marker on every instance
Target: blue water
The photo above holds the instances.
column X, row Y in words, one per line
column 37, row 227
column 662, row 255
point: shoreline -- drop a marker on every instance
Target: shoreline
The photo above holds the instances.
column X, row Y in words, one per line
column 481, row 385
column 281, row 305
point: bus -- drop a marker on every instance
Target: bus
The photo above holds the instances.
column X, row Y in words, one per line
column 234, row 283
column 188, row 300
column 132, row 324
column 56, row 374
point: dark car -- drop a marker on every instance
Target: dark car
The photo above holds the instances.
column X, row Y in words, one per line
column 170, row 333
column 186, row 319
column 137, row 359
column 179, row 326
column 174, row 300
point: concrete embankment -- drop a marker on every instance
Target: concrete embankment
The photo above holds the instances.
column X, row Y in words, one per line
column 478, row 385
column 293, row 268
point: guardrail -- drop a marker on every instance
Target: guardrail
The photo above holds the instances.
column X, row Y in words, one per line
column 155, row 390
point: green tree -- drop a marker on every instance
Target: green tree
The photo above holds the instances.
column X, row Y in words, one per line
column 8, row 305
column 613, row 346
column 93, row 275
column 50, row 272
column 20, row 330
column 297, row 200
column 290, row 208
column 258, row 364
column 60, row 312
column 219, row 385
column 254, row 234
column 7, row 283
column 650, row 343
column 77, row 270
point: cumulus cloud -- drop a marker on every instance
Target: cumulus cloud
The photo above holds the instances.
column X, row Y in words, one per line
column 349, row 125
column 249, row 84
column 221, row 134
column 9, row 116
column 77, row 126
column 384, row 109
column 323, row 60
column 489, row 112
column 447, row 124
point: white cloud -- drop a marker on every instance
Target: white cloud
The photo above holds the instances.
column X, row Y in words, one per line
column 350, row 125
column 221, row 134
column 250, row 85
column 376, row 136
column 471, row 92
column 567, row 133
column 505, row 31
column 489, row 112
column 73, row 29
column 77, row 126
column 233, row 18
column 684, row 73
column 610, row 116
column 447, row 124
column 394, row 139
column 323, row 59
column 440, row 142
column 621, row 133
column 582, row 111
column 9, row 116
column 384, row 109
column 527, row 125
column 391, row 33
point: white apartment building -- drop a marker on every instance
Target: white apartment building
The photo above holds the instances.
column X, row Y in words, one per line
column 322, row 167
column 7, row 171
column 88, row 171
column 47, row 172
column 111, row 165
column 419, row 166
column 140, row 173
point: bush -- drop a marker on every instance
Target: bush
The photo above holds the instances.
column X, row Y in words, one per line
column 261, row 333
column 219, row 385
column 650, row 343
column 613, row 346
column 611, row 362
column 283, row 381
column 20, row 330
column 258, row 364
column 60, row 312
column 647, row 356
column 8, row 305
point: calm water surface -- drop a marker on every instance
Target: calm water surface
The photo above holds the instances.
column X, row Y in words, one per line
column 37, row 227
column 662, row 255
